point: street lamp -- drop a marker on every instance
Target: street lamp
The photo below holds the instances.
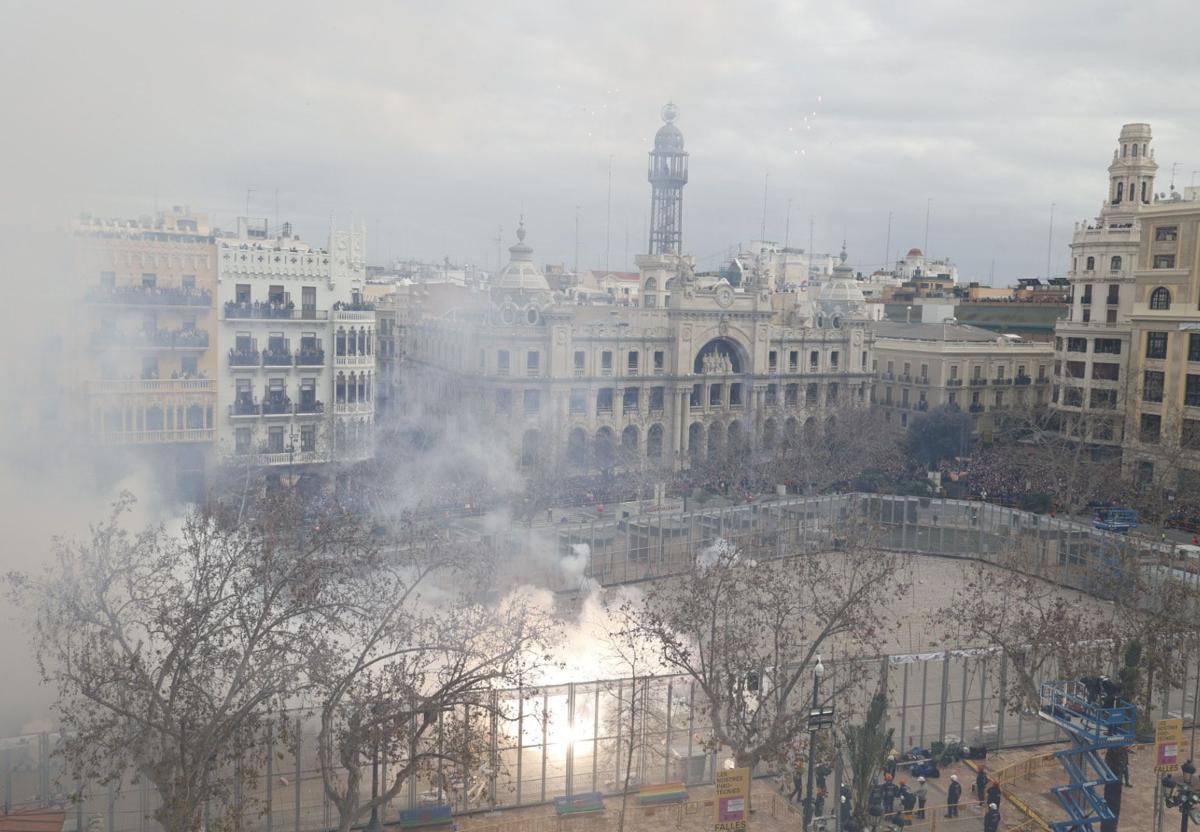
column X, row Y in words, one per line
column 1177, row 794
column 818, row 672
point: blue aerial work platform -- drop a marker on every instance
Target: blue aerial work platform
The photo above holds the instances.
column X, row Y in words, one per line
column 1095, row 722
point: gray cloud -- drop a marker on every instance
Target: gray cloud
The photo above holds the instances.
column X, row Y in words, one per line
column 440, row 122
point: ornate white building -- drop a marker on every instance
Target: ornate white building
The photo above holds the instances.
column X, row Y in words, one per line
column 299, row 370
column 697, row 368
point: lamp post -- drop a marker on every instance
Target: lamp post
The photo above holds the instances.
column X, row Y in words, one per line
column 1181, row 795
column 818, row 672
column 374, row 825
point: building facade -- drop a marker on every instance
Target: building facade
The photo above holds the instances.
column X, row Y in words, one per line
column 147, row 346
column 297, row 374
column 1093, row 344
column 1162, row 420
column 921, row 366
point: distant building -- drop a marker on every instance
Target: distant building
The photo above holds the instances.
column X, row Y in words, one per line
column 915, row 266
column 920, row 366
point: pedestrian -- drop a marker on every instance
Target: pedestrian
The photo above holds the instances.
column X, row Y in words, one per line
column 981, row 780
column 1118, row 760
column 819, row 808
column 922, row 797
column 823, row 771
column 994, row 793
column 952, row 796
column 844, row 808
column 889, row 767
column 797, row 783
column 991, row 821
column 908, row 799
column 889, row 793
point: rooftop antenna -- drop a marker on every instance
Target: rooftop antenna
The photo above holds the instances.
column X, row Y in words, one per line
column 608, row 222
column 762, row 229
column 787, row 224
column 887, row 248
column 928, row 211
column 277, row 214
column 1050, row 241
column 499, row 242
column 811, row 223
column 577, row 240
column 248, row 192
column 1174, row 167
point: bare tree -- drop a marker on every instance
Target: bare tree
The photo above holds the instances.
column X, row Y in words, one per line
column 409, row 676
column 170, row 654
column 748, row 633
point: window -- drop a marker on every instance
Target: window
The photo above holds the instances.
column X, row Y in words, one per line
column 1103, row 371
column 1190, row 438
column 241, row 441
column 697, row 397
column 1058, row 344
column 1076, row 345
column 606, row 363
column 1091, row 264
column 632, row 363
column 831, row 394
column 188, row 282
column 1000, row 373
column 952, row 398
column 1191, row 391
column 308, row 438
column 814, row 360
column 1152, row 386
column 1166, row 234
column 1103, row 399
column 772, row 361
column 954, row 372
column 1156, row 345
column 735, row 394
column 1194, row 346
column 579, row 362
column 533, row 402
column 1107, row 346
column 502, row 362
column 1076, row 369
column 660, row 362
column 771, row 397
column 794, row 360
column 1164, row 261
column 189, row 365
column 1087, row 315
column 812, row 391
column 275, row 294
column 1151, row 427
column 1114, row 265
column 716, row 394
column 1110, row 316
column 604, row 400
column 999, row 398
column 533, row 360
column 657, row 396
column 924, row 372
column 791, row 394
column 1160, row 298
column 579, row 401
column 630, row 400
column 275, row 439
column 833, row 359
column 149, row 280
column 1073, row 397
column 504, row 401
column 1087, row 294
column 308, row 301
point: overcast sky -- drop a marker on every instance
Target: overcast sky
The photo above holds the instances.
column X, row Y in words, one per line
column 438, row 123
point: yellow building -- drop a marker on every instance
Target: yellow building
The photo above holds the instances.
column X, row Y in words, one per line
column 147, row 338
column 1163, row 424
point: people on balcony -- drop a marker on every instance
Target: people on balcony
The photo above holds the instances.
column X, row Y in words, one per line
column 260, row 309
column 152, row 295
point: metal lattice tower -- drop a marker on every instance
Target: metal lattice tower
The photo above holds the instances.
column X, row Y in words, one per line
column 1094, row 726
column 668, row 174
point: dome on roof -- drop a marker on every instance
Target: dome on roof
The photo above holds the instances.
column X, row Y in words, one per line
column 915, row 252
column 840, row 296
column 520, row 274
column 668, row 137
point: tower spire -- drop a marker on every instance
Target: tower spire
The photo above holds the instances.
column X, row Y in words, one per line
column 668, row 174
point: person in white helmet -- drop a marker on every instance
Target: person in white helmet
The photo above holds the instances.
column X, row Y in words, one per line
column 922, row 796
column 953, row 794
column 991, row 821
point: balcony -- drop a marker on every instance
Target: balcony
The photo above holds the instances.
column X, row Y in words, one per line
column 905, row 378
column 310, row 408
column 272, row 312
column 923, row 380
column 578, row 372
column 243, row 409
column 353, row 407
column 1002, row 381
column 277, row 357
column 275, row 458
column 277, row 407
column 310, row 357
column 244, row 358
column 922, row 406
column 979, row 382
column 976, row 408
column 954, row 382
column 888, row 376
column 150, row 296
column 150, row 437
column 532, row 372
column 1042, row 380
column 659, row 371
column 152, row 385
column 179, row 339
column 1021, row 381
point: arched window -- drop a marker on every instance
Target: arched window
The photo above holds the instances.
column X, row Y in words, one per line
column 340, row 341
column 1120, row 191
column 340, row 388
column 1114, row 265
column 362, row 341
column 577, row 447
column 1091, row 264
column 604, row 450
column 195, row 417
column 654, row 441
column 154, row 418
column 1135, row 151
column 362, row 387
column 649, row 293
column 1144, row 187
column 629, row 442
column 1160, row 298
